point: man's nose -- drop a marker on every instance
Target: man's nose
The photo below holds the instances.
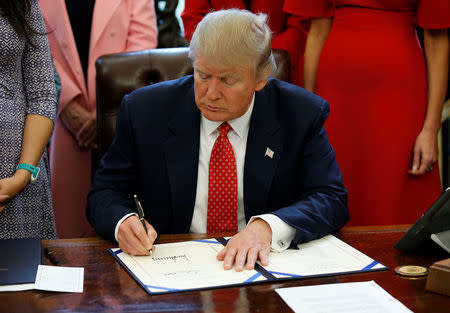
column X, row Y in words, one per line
column 213, row 91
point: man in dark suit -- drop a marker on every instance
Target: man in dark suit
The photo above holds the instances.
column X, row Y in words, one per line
column 227, row 149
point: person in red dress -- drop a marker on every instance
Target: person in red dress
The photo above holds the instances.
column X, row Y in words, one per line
column 386, row 96
column 289, row 31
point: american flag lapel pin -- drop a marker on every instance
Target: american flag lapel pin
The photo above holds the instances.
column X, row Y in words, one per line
column 269, row 153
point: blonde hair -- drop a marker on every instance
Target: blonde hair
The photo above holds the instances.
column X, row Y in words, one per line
column 233, row 35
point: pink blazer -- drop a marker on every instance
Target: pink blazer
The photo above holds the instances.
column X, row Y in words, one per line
column 117, row 26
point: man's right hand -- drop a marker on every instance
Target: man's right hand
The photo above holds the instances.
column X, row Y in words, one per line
column 132, row 237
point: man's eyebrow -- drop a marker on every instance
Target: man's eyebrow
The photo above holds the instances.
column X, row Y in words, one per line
column 197, row 67
column 203, row 71
column 229, row 74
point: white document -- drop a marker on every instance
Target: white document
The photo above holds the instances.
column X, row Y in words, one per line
column 183, row 266
column 327, row 255
column 360, row 297
column 59, row 278
column 193, row 265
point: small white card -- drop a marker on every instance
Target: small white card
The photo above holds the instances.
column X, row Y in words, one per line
column 59, row 278
column 359, row 297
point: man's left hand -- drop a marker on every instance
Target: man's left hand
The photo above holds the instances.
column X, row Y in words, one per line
column 248, row 246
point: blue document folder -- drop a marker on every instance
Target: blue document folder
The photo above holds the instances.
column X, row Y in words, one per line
column 19, row 260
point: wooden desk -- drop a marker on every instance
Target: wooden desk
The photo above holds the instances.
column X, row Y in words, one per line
column 108, row 288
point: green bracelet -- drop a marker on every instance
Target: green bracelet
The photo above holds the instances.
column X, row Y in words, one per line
column 33, row 169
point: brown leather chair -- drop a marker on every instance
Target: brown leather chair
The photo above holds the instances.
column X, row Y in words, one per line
column 120, row 74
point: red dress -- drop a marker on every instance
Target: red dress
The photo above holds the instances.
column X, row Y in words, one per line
column 288, row 29
column 372, row 71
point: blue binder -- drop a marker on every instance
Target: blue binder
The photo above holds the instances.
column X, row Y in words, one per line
column 19, row 260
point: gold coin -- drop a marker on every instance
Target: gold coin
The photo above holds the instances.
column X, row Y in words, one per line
column 411, row 270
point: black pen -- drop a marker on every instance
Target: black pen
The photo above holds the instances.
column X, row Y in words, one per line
column 50, row 256
column 141, row 214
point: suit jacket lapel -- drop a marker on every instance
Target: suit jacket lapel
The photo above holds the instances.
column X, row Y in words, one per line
column 182, row 153
column 103, row 11
column 58, row 22
column 264, row 136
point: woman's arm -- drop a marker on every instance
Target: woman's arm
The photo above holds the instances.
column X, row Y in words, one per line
column 40, row 93
column 318, row 33
column 142, row 33
column 436, row 45
column 37, row 131
column 293, row 39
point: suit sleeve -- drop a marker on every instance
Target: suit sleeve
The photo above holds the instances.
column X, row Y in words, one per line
column 322, row 205
column 433, row 14
column 142, row 33
column 69, row 88
column 193, row 13
column 110, row 197
column 293, row 40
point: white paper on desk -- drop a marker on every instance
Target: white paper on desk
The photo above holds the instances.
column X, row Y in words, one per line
column 18, row 287
column 360, row 297
column 184, row 265
column 327, row 255
column 59, row 278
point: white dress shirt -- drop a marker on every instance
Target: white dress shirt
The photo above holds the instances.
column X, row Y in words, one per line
column 282, row 233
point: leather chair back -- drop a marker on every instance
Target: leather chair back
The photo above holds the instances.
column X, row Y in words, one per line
column 121, row 73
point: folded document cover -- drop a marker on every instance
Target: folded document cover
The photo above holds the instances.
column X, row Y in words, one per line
column 192, row 265
column 19, row 261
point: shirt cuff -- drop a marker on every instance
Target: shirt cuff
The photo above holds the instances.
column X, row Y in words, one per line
column 282, row 233
column 116, row 230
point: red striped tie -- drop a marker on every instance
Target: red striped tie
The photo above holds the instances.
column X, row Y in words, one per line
column 222, row 187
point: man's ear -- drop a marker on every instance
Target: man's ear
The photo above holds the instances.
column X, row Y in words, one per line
column 261, row 82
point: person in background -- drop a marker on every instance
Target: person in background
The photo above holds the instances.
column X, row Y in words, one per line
column 224, row 150
column 289, row 30
column 169, row 31
column 80, row 32
column 386, row 99
column 27, row 111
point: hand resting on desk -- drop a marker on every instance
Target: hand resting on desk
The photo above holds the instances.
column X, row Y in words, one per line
column 243, row 249
column 250, row 244
column 132, row 237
